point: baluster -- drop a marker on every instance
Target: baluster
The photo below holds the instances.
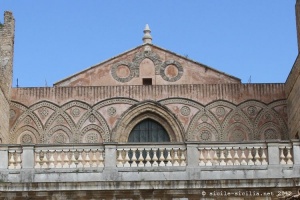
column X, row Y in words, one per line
column 289, row 156
column 250, row 157
column 119, row 159
column 208, row 158
column 155, row 159
column 148, row 159
column 169, row 158
column 243, row 156
column 222, row 157
column 141, row 159
column 236, row 156
column 175, row 163
column 215, row 160
column 264, row 157
column 182, row 157
column 73, row 160
column 257, row 157
column 45, row 159
column 229, row 157
column 94, row 159
column 37, row 160
column 51, row 159
column 126, row 159
column 58, row 159
column 66, row 159
column 87, row 159
column 12, row 160
column 101, row 159
column 18, row 161
column 80, row 159
column 282, row 156
column 161, row 157
column 133, row 159
column 201, row 157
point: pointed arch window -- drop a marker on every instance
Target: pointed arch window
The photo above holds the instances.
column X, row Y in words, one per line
column 148, row 130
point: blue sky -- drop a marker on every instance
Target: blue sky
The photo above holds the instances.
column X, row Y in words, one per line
column 55, row 39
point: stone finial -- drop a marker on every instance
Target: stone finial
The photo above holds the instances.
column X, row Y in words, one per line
column 147, row 39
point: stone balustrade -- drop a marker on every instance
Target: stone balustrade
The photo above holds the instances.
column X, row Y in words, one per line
column 151, row 156
column 237, row 154
column 197, row 155
column 69, row 157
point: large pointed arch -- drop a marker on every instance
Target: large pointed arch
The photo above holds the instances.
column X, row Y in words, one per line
column 148, row 110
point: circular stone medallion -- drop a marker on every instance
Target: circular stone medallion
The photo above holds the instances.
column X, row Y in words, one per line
column 185, row 110
column 123, row 71
column 26, row 139
column 205, row 135
column 171, row 71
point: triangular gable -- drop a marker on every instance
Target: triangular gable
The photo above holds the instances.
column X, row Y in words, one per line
column 147, row 64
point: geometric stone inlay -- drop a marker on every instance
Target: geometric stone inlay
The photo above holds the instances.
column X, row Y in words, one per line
column 220, row 111
column 26, row 139
column 75, row 112
column 111, row 111
column 27, row 120
column 270, row 134
column 185, row 110
column 205, row 135
column 237, row 117
column 252, row 110
column 92, row 119
column 12, row 113
column 204, row 118
column 59, row 138
column 92, row 138
column 43, row 111
column 238, row 135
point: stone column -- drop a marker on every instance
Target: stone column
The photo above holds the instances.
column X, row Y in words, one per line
column 28, row 157
column 192, row 161
column 192, row 155
column 273, row 153
column 4, row 157
column 110, row 172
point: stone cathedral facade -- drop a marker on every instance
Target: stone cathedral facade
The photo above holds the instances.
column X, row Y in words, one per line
column 148, row 124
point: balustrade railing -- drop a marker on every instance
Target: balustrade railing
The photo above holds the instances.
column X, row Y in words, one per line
column 233, row 154
column 14, row 155
column 163, row 155
column 69, row 157
column 157, row 156
column 285, row 154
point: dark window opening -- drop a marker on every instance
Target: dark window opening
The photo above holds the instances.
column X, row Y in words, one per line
column 147, row 81
column 148, row 130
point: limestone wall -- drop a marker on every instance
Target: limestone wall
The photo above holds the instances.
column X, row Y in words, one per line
column 6, row 62
column 6, row 52
column 293, row 100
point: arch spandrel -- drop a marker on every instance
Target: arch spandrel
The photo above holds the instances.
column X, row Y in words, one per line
column 148, row 110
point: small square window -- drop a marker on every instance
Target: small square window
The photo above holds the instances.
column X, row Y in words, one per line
column 147, row 81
